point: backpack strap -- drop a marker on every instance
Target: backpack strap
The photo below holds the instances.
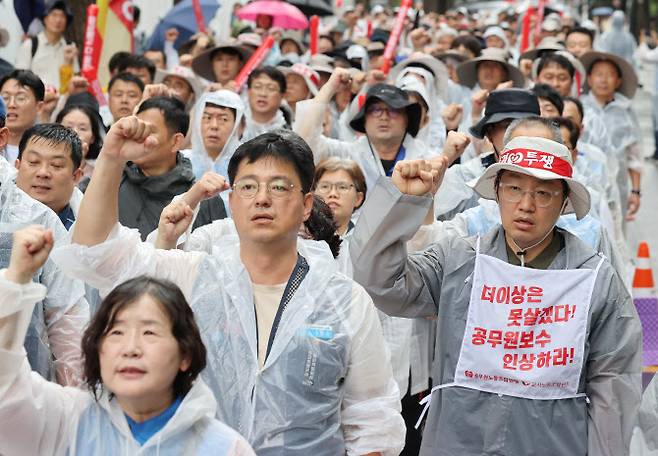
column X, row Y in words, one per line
column 35, row 44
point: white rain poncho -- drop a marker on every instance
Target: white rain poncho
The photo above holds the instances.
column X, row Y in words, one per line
column 624, row 135
column 39, row 417
column 326, row 386
column 434, row 133
column 438, row 282
column 645, row 434
column 201, row 161
column 310, row 114
column 253, row 128
column 618, row 40
column 53, row 336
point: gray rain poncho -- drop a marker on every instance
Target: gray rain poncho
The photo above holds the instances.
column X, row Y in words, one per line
column 58, row 321
column 618, row 40
column 326, row 387
column 201, row 161
column 438, row 282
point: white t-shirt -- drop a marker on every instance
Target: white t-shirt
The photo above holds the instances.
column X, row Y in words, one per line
column 10, row 153
column 266, row 299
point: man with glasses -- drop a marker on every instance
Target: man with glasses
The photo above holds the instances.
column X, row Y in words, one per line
column 23, row 93
column 295, row 355
column 532, row 324
column 388, row 119
column 266, row 88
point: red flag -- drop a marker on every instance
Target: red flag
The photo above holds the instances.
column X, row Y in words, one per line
column 392, row 44
column 314, row 23
column 253, row 62
column 198, row 16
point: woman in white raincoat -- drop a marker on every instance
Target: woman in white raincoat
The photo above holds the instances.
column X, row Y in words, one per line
column 308, row 378
column 143, row 353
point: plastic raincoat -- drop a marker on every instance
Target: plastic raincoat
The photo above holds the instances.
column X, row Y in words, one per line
column 438, row 282
column 624, row 135
column 326, row 386
column 254, row 128
column 618, row 40
column 310, row 114
column 201, row 162
column 40, row 417
column 58, row 321
column 645, row 434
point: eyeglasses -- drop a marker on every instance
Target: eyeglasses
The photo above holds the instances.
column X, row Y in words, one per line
column 20, row 98
column 513, row 194
column 377, row 111
column 248, row 188
column 324, row 188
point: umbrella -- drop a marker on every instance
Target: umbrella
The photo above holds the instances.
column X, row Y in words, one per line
column 283, row 14
column 314, row 7
column 182, row 18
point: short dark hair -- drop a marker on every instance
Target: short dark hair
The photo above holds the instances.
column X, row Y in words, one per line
column 126, row 77
column 94, row 120
column 579, row 106
column 164, row 55
column 271, row 72
column 225, row 50
column 26, row 78
column 469, row 42
column 173, row 111
column 322, row 226
column 591, row 66
column 584, row 31
column 556, row 59
column 183, row 328
column 53, row 134
column 137, row 61
column 574, row 131
column 549, row 93
column 280, row 144
column 117, row 60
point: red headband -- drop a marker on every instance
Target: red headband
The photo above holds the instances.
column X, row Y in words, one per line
column 537, row 159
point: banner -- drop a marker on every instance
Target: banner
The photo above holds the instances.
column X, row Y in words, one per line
column 115, row 29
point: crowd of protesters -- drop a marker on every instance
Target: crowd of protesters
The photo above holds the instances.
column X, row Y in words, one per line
column 320, row 263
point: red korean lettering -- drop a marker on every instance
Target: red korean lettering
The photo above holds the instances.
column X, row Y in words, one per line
column 546, row 315
column 479, row 336
column 527, row 339
column 495, row 337
column 530, row 316
column 544, row 359
column 510, row 361
column 511, row 340
column 515, row 317
column 488, row 293
column 543, row 338
column 535, row 294
column 502, row 295
column 563, row 356
column 518, row 295
column 563, row 312
column 527, row 361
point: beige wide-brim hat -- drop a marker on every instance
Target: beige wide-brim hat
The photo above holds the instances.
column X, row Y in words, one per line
column 310, row 76
column 542, row 159
column 202, row 63
column 435, row 65
column 468, row 74
column 548, row 44
column 184, row 73
column 629, row 80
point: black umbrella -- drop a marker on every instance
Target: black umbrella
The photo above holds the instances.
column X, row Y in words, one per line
column 314, row 7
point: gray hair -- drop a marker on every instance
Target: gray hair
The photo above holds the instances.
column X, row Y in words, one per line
column 529, row 122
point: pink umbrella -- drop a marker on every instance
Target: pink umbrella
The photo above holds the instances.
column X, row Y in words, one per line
column 284, row 14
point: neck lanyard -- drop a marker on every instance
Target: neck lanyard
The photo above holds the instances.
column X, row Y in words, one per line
column 295, row 280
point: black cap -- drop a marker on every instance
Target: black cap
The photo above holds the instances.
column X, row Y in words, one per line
column 60, row 5
column 394, row 97
column 506, row 104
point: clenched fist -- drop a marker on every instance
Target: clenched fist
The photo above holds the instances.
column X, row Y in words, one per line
column 129, row 139
column 30, row 250
column 174, row 221
column 416, row 177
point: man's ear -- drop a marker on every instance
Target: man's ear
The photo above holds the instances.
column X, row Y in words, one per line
column 308, row 205
column 77, row 175
column 17, row 163
column 4, row 136
column 177, row 144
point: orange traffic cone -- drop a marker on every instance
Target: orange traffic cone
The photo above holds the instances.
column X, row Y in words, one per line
column 643, row 284
column 646, row 304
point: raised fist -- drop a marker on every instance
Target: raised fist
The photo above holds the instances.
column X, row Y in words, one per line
column 30, row 249
column 130, row 138
column 416, row 177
